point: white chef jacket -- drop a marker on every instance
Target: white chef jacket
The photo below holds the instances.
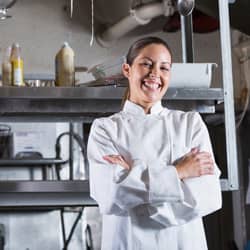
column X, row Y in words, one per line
column 149, row 207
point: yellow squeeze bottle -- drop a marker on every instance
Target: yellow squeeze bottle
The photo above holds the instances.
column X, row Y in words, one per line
column 17, row 66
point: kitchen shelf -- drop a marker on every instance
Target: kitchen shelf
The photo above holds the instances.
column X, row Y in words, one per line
column 30, row 162
column 85, row 103
column 44, row 194
column 46, row 164
column 103, row 93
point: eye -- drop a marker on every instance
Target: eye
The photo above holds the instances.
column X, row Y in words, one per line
column 146, row 64
column 165, row 69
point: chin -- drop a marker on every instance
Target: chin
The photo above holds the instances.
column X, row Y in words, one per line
column 152, row 99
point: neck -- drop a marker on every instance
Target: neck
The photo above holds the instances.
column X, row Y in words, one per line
column 146, row 106
column 147, row 109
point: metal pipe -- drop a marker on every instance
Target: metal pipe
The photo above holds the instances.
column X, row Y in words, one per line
column 71, row 152
column 139, row 16
column 187, row 39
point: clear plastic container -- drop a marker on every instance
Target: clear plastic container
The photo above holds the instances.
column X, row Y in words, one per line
column 7, row 68
column 110, row 68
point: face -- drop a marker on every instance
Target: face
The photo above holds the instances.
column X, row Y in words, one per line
column 149, row 75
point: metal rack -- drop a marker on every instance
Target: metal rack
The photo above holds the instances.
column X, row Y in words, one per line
column 232, row 182
column 73, row 104
column 85, row 103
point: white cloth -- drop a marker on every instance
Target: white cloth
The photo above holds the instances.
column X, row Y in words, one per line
column 148, row 207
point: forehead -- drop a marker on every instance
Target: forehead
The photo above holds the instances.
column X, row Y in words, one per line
column 156, row 52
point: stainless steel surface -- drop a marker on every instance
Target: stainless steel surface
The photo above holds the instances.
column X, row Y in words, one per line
column 44, row 194
column 230, row 130
column 232, row 162
column 187, row 39
column 185, row 7
column 30, row 162
column 84, row 103
column 232, row 157
column 101, row 93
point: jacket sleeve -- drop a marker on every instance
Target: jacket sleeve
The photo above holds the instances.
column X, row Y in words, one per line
column 206, row 189
column 117, row 190
column 202, row 195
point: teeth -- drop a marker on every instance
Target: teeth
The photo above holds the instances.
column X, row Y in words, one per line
column 153, row 86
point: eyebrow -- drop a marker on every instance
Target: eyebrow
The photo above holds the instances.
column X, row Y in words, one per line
column 148, row 58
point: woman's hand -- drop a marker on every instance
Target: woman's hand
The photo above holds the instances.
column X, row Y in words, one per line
column 195, row 164
column 117, row 159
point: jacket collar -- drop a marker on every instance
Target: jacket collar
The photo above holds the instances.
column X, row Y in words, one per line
column 133, row 108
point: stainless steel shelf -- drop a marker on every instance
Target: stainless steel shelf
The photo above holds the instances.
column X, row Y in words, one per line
column 85, row 103
column 103, row 93
column 44, row 194
column 30, row 162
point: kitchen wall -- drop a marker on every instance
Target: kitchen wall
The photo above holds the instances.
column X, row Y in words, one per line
column 42, row 26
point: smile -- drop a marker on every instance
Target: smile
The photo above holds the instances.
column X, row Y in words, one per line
column 151, row 85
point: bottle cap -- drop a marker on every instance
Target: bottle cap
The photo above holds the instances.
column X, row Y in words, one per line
column 65, row 44
column 16, row 45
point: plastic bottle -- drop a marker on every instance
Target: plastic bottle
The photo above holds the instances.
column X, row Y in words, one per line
column 17, row 65
column 64, row 66
column 7, row 68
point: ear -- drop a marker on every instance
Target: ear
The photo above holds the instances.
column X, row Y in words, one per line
column 126, row 69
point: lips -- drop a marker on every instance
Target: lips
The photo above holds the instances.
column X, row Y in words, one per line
column 151, row 84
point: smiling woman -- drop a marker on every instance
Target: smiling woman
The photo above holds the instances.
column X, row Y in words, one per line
column 152, row 170
column 148, row 72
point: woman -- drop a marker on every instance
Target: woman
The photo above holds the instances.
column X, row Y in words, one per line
column 152, row 170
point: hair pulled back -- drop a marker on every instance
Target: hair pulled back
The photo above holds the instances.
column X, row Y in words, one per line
column 140, row 44
column 135, row 50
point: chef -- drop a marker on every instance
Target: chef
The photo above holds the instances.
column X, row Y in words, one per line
column 152, row 170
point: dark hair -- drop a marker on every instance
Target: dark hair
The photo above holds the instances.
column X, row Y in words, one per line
column 138, row 45
column 134, row 51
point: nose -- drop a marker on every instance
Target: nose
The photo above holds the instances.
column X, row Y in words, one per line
column 154, row 72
